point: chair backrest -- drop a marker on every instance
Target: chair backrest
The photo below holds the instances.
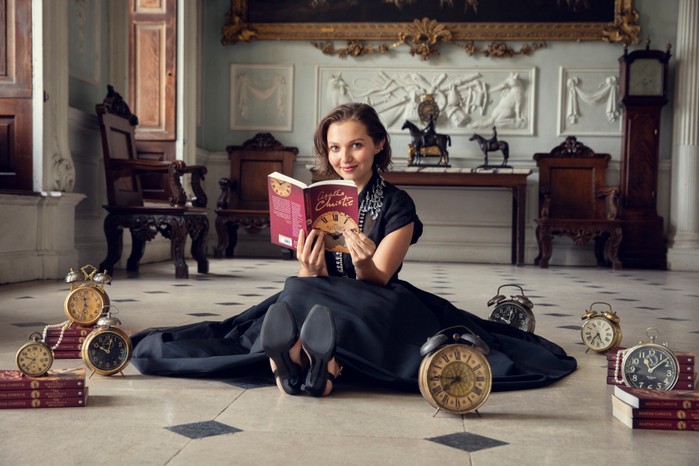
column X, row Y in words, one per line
column 251, row 162
column 570, row 179
column 117, row 125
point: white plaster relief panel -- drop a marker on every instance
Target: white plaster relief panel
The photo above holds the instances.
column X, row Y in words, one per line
column 261, row 97
column 589, row 102
column 469, row 99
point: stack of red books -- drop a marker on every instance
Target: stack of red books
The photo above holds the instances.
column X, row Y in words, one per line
column 642, row 408
column 60, row 388
column 687, row 377
column 71, row 343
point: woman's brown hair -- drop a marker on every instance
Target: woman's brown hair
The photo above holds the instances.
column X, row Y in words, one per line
column 362, row 113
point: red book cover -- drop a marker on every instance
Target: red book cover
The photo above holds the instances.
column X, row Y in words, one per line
column 660, row 424
column 36, row 403
column 329, row 205
column 629, row 412
column 42, row 394
column 657, row 399
column 684, row 368
column 55, row 379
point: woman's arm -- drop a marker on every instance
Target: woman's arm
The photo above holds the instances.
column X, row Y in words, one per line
column 378, row 264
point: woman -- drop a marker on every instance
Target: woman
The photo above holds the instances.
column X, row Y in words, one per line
column 352, row 309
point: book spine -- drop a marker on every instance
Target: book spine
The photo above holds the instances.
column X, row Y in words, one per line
column 676, row 414
column 47, row 403
column 60, row 354
column 665, row 424
column 682, row 376
column 35, row 384
column 680, row 385
column 684, row 357
column 307, row 203
column 64, row 346
column 70, row 340
column 684, row 368
column 41, row 394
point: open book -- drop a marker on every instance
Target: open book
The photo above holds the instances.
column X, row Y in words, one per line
column 330, row 205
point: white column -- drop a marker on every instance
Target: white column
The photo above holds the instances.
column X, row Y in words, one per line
column 683, row 252
column 58, row 167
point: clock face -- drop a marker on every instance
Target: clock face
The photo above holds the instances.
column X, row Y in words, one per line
column 34, row 359
column 456, row 378
column 646, row 77
column 107, row 352
column 281, row 188
column 650, row 366
column 599, row 334
column 84, row 305
column 513, row 314
column 333, row 223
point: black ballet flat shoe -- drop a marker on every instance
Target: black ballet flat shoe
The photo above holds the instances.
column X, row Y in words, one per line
column 318, row 339
column 279, row 334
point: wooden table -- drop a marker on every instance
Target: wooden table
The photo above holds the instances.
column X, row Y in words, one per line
column 513, row 179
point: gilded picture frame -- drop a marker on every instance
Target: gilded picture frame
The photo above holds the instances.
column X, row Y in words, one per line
column 467, row 20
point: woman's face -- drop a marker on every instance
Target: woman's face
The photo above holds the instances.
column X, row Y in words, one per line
column 351, row 151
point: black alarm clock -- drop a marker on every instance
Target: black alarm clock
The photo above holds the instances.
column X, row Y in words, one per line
column 515, row 310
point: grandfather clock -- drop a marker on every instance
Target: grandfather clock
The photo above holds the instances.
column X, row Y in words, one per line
column 643, row 76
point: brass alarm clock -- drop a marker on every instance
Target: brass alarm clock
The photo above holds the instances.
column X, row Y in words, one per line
column 515, row 310
column 87, row 297
column 107, row 349
column 601, row 331
column 34, row 358
column 648, row 365
column 454, row 374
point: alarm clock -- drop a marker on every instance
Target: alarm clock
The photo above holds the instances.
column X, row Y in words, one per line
column 34, row 358
column 107, row 349
column 87, row 297
column 454, row 374
column 648, row 365
column 601, row 331
column 515, row 311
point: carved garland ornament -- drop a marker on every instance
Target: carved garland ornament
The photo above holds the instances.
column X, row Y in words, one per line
column 425, row 36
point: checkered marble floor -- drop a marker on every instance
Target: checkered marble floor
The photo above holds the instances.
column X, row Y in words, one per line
column 136, row 419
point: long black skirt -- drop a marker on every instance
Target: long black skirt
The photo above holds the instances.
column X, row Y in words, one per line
column 380, row 332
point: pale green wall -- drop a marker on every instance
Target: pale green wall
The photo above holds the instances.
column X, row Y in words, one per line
column 658, row 21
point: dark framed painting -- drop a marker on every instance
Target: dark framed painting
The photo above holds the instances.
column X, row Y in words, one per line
column 611, row 20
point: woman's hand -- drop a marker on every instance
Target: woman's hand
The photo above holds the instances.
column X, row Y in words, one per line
column 361, row 248
column 310, row 253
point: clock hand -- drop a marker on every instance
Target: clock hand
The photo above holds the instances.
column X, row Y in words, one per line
column 651, row 369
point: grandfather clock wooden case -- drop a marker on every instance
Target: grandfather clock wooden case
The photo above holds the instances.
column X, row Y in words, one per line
column 643, row 76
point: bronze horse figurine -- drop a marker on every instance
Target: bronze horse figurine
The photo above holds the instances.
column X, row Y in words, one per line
column 488, row 145
column 424, row 140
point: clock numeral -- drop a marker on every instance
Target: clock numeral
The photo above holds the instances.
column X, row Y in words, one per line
column 445, row 357
column 478, row 391
column 457, row 355
column 437, row 390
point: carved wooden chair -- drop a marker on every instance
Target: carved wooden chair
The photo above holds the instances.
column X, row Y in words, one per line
column 129, row 206
column 574, row 201
column 244, row 200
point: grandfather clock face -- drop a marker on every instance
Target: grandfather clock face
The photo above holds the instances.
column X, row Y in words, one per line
column 646, row 77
